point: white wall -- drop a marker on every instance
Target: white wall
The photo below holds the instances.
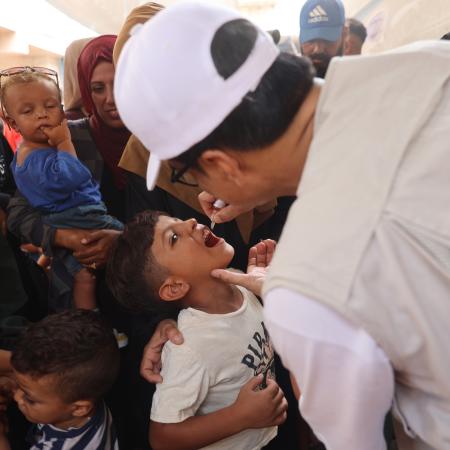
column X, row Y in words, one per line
column 11, row 60
column 392, row 23
column 15, row 51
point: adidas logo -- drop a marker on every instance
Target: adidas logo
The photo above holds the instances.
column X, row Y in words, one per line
column 318, row 14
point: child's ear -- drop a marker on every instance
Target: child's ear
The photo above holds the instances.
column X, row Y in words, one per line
column 173, row 289
column 82, row 408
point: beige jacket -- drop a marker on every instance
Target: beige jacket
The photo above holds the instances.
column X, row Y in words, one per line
column 369, row 235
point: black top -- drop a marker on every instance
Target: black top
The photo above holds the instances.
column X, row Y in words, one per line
column 7, row 185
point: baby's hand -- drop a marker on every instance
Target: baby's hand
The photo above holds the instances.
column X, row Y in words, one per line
column 57, row 135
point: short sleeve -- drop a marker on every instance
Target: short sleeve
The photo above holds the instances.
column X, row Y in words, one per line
column 184, row 387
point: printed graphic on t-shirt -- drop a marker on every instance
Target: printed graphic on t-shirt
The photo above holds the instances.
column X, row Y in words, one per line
column 259, row 354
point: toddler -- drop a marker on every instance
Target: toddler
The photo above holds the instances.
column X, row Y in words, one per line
column 63, row 366
column 46, row 168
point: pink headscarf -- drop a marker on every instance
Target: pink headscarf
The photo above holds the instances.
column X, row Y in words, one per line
column 110, row 141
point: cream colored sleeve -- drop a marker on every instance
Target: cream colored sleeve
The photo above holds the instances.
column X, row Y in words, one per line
column 345, row 379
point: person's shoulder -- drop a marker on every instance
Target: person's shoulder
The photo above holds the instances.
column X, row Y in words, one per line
column 80, row 129
column 190, row 323
column 34, row 159
column 187, row 354
column 87, row 152
column 78, row 124
column 188, row 317
column 198, row 329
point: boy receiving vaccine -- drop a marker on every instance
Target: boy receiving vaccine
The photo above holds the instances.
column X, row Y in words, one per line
column 209, row 397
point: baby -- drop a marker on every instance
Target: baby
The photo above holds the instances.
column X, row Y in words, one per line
column 46, row 168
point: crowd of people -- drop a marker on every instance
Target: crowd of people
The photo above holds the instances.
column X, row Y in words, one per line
column 190, row 144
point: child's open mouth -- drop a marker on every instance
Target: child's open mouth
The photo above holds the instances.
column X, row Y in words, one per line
column 210, row 239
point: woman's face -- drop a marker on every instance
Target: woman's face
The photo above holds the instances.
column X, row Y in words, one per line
column 102, row 92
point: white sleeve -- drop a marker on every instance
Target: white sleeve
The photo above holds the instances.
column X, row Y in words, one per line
column 345, row 379
column 184, row 387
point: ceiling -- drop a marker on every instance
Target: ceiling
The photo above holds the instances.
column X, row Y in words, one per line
column 102, row 16
column 107, row 16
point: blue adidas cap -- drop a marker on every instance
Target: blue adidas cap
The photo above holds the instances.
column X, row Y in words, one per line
column 321, row 19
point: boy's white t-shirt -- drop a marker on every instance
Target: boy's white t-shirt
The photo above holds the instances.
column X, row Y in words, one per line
column 220, row 353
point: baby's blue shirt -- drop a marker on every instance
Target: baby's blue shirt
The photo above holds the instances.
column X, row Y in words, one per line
column 54, row 181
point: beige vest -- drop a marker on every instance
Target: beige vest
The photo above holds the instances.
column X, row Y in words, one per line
column 369, row 235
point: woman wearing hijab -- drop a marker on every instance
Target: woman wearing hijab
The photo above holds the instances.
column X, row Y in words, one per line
column 73, row 107
column 96, row 83
column 99, row 140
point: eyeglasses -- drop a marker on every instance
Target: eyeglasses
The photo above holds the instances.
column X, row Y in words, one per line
column 23, row 69
column 177, row 176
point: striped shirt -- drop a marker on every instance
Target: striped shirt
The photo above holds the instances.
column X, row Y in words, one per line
column 97, row 434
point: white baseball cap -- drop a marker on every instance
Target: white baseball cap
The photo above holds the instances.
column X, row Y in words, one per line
column 167, row 88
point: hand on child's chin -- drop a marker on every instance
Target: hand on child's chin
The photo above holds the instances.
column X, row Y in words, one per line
column 253, row 282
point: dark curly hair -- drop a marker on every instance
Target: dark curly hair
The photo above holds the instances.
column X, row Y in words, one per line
column 77, row 347
column 357, row 28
